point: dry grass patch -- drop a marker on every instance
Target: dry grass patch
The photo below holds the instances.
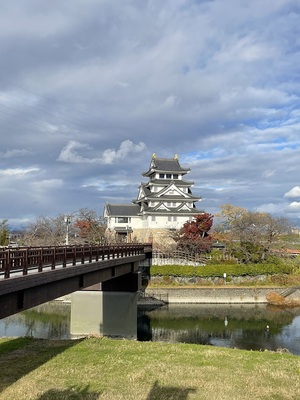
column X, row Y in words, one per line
column 277, row 299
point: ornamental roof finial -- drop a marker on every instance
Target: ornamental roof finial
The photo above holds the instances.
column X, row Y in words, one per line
column 153, row 155
column 176, row 157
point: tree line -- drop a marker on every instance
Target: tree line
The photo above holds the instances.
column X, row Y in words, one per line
column 79, row 227
column 249, row 236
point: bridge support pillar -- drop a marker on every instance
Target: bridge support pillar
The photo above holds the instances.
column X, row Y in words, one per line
column 111, row 311
column 104, row 313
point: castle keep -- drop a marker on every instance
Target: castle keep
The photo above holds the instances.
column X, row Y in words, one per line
column 165, row 202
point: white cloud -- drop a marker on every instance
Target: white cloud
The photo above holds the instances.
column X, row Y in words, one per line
column 271, row 208
column 294, row 207
column 246, row 49
column 126, row 148
column 268, row 173
column 14, row 153
column 171, row 101
column 69, row 153
column 17, row 172
column 293, row 193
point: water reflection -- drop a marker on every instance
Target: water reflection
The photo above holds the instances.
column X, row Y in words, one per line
column 47, row 321
column 252, row 327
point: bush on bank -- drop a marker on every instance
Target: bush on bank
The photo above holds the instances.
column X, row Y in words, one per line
column 219, row 269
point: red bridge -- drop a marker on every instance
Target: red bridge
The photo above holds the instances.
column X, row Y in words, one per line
column 34, row 275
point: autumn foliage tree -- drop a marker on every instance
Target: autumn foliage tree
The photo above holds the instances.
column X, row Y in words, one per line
column 90, row 227
column 193, row 236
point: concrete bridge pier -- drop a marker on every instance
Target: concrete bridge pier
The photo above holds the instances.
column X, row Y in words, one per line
column 108, row 308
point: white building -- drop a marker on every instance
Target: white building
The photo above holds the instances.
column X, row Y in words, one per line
column 165, row 202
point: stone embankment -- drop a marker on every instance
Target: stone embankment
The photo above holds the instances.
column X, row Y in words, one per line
column 219, row 295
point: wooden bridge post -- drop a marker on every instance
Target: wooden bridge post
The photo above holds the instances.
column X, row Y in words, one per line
column 6, row 264
column 40, row 259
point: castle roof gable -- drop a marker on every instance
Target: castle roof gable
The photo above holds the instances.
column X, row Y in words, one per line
column 165, row 165
column 122, row 210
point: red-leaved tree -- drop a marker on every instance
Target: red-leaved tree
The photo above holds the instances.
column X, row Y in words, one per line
column 194, row 236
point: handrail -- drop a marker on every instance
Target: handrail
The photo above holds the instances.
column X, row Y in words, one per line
column 23, row 258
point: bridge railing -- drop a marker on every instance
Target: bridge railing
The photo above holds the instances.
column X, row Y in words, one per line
column 23, row 259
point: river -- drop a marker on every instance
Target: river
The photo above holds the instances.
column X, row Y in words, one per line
column 247, row 326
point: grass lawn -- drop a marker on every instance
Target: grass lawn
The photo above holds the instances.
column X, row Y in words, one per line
column 105, row 369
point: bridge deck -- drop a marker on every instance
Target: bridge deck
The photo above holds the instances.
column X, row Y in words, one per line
column 32, row 276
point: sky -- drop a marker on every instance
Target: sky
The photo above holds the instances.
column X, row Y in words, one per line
column 90, row 89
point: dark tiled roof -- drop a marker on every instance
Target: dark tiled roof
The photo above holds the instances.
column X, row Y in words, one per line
column 123, row 229
column 178, row 182
column 166, row 165
column 193, row 211
column 156, row 197
column 122, row 210
column 147, row 191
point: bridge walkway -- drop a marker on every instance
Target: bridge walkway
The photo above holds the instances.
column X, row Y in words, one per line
column 32, row 276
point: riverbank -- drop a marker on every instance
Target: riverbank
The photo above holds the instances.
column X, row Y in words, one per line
column 219, row 295
column 209, row 295
column 119, row 369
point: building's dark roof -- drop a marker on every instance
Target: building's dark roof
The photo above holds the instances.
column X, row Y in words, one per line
column 148, row 195
column 155, row 197
column 123, row 229
column 147, row 191
column 122, row 210
column 165, row 165
column 178, row 182
column 194, row 211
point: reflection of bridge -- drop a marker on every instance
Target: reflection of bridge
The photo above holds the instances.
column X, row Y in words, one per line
column 32, row 276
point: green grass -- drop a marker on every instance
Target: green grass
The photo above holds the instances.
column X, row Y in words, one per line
column 119, row 369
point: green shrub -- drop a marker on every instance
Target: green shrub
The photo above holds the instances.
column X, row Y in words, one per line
column 219, row 270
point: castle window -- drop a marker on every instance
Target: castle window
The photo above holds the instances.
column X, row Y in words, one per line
column 161, row 176
column 175, row 176
column 168, row 176
column 122, row 220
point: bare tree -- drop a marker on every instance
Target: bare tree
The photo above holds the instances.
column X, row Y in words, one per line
column 4, row 233
column 79, row 227
column 45, row 231
column 249, row 235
